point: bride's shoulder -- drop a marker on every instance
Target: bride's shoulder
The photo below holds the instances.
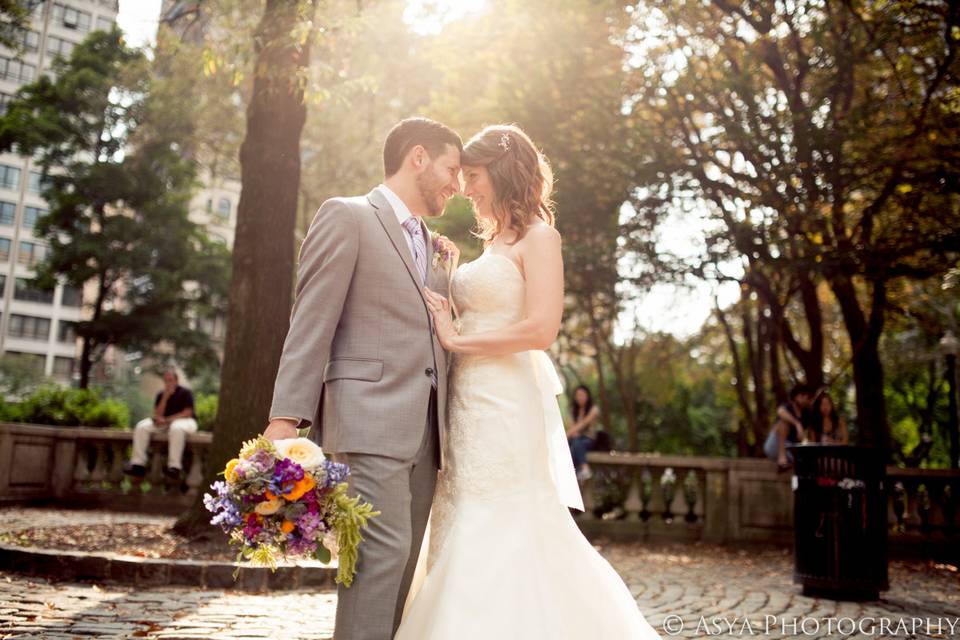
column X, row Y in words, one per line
column 541, row 234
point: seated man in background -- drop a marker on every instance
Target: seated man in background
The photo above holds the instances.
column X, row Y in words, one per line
column 172, row 412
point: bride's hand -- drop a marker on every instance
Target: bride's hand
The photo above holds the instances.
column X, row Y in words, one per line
column 442, row 319
column 449, row 247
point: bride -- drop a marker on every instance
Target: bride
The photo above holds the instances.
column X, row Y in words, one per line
column 504, row 557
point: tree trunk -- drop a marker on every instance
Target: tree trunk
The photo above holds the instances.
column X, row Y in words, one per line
column 864, row 333
column 743, row 448
column 598, row 341
column 263, row 252
column 755, row 342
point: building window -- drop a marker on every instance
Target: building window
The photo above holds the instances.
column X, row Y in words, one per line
column 3, row 286
column 16, row 71
column 5, row 99
column 63, row 367
column 4, row 249
column 29, row 327
column 67, row 331
column 31, row 41
column 35, row 361
column 36, row 183
column 71, row 18
column 25, row 291
column 8, row 212
column 31, row 253
column 9, row 177
column 104, row 23
column 223, row 208
column 31, row 215
column 59, row 47
column 71, row 296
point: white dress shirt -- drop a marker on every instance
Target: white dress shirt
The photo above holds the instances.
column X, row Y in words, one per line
column 402, row 211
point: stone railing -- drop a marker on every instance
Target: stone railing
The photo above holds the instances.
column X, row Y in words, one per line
column 82, row 466
column 630, row 495
column 746, row 500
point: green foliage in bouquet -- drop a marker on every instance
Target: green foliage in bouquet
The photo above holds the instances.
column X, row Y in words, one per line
column 352, row 516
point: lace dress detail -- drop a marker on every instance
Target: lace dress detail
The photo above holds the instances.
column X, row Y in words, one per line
column 489, row 294
column 503, row 557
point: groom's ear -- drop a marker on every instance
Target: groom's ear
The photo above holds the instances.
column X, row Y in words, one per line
column 419, row 157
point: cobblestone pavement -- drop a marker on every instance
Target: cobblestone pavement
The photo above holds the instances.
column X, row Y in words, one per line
column 713, row 591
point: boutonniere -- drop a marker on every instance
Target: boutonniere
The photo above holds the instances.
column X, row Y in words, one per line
column 443, row 250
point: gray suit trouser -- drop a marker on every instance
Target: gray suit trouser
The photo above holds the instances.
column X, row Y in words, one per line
column 403, row 492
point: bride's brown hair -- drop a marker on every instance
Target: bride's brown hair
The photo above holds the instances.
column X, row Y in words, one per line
column 521, row 178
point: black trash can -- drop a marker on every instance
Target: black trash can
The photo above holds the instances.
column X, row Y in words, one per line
column 839, row 521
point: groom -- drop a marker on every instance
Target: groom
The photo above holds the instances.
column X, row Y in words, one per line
column 362, row 366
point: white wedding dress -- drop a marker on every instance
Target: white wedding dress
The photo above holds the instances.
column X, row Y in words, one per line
column 503, row 557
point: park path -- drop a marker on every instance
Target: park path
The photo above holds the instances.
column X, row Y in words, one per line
column 688, row 584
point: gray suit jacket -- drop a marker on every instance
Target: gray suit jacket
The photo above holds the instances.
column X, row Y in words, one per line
column 360, row 349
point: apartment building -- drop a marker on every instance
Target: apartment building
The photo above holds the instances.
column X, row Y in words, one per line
column 35, row 323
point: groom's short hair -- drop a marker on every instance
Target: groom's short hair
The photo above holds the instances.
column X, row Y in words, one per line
column 406, row 134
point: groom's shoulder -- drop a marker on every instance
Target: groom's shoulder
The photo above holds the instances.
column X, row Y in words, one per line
column 342, row 208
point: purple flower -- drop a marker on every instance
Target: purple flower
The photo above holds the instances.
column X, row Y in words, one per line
column 252, row 528
column 285, row 473
column 309, row 525
column 225, row 509
column 335, row 473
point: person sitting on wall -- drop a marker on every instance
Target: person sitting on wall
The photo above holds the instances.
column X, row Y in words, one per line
column 789, row 426
column 172, row 412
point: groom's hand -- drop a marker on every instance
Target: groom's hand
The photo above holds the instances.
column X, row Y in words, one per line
column 280, row 429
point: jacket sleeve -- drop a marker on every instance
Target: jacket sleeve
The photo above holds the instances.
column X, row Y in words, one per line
column 326, row 262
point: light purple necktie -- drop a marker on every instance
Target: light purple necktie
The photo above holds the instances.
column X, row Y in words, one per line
column 412, row 225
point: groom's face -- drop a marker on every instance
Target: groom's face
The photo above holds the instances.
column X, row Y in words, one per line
column 440, row 180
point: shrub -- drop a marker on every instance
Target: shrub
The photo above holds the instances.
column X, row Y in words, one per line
column 205, row 410
column 64, row 407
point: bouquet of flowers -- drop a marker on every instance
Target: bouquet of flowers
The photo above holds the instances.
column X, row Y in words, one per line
column 285, row 499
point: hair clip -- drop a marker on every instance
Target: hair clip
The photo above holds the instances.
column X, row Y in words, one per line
column 504, row 141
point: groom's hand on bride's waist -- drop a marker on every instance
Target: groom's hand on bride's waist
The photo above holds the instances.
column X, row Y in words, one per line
column 281, row 429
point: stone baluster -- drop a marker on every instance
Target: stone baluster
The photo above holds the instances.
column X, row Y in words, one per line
column 81, row 472
column 656, row 505
column 692, row 494
column 155, row 470
column 99, row 474
column 194, row 477
column 587, row 491
column 115, row 475
column 633, row 505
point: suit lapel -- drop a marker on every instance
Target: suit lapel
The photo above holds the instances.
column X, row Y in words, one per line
column 388, row 220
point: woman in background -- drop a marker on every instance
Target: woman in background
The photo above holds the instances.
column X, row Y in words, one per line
column 828, row 426
column 580, row 434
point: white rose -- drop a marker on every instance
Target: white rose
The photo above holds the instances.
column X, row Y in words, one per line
column 303, row 451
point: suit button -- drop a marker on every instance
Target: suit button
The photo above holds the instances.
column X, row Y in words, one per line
column 429, row 372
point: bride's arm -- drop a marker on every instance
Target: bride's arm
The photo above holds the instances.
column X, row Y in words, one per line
column 543, row 266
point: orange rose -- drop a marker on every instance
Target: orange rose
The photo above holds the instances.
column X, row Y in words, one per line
column 269, row 495
column 300, row 487
column 287, row 526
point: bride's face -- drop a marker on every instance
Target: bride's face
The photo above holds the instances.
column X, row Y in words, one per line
column 478, row 187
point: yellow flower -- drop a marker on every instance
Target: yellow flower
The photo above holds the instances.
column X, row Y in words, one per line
column 230, row 471
column 269, row 507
